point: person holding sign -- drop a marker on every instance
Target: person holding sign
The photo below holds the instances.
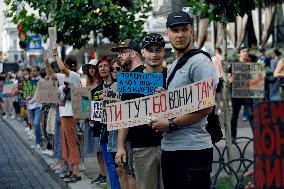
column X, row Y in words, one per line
column 187, row 152
column 70, row 149
column 129, row 55
column 237, row 103
column 94, row 127
column 107, row 148
column 145, row 141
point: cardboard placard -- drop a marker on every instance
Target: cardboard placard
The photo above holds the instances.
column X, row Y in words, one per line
column 248, row 80
column 77, row 95
column 138, row 82
column 29, row 88
column 96, row 110
column 268, row 134
column 52, row 34
column 170, row 104
column 47, row 92
column 110, row 96
column 8, row 88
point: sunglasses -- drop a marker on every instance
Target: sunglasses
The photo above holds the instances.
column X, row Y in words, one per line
column 115, row 68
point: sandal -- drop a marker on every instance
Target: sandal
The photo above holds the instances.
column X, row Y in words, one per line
column 72, row 179
column 66, row 175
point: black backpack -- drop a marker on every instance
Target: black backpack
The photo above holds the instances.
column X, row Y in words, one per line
column 213, row 126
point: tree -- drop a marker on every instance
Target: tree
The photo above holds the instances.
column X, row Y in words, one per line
column 75, row 19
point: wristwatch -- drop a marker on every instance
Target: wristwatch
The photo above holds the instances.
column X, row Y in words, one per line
column 172, row 125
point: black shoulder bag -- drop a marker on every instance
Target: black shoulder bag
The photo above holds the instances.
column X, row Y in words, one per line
column 213, row 126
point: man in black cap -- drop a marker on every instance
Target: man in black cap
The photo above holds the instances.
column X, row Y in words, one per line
column 145, row 142
column 187, row 150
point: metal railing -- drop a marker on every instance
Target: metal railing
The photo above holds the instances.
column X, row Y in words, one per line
column 235, row 168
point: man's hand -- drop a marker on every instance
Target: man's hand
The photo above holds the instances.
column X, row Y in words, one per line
column 250, row 185
column 159, row 125
column 120, row 156
column 160, row 90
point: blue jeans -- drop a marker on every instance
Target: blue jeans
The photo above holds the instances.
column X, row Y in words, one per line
column 112, row 174
column 57, row 137
column 36, row 116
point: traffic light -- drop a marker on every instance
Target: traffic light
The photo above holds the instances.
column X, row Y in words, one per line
column 22, row 37
column 93, row 54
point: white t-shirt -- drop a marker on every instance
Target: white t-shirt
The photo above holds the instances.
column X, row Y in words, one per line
column 74, row 80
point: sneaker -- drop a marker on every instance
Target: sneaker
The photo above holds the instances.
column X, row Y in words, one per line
column 62, row 169
column 12, row 117
column 38, row 147
column 31, row 137
column 27, row 129
column 30, row 133
column 244, row 119
column 99, row 180
column 5, row 116
column 82, row 167
column 219, row 111
column 47, row 152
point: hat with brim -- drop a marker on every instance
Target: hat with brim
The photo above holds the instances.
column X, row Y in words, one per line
column 85, row 67
column 127, row 44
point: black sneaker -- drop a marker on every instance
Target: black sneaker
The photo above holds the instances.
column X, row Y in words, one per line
column 99, row 180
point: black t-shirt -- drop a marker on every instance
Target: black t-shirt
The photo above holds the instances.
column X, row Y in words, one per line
column 143, row 135
column 96, row 95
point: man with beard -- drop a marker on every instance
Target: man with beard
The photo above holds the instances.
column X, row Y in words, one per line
column 187, row 152
column 129, row 55
column 145, row 141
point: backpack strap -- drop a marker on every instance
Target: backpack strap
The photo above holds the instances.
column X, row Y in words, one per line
column 183, row 60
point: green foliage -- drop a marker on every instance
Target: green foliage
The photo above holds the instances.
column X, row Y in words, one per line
column 75, row 19
column 222, row 10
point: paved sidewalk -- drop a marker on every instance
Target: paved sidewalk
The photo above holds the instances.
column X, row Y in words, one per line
column 46, row 161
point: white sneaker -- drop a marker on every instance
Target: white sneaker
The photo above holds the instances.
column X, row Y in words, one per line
column 31, row 137
column 48, row 152
column 30, row 133
column 5, row 116
column 12, row 117
column 27, row 129
column 82, row 167
column 219, row 111
column 38, row 147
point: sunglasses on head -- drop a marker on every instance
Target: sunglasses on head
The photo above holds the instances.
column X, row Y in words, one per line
column 115, row 68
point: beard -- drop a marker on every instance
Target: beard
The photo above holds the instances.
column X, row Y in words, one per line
column 127, row 64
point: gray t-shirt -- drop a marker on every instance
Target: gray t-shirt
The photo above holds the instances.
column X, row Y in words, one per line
column 195, row 136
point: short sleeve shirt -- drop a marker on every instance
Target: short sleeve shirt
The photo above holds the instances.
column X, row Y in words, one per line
column 195, row 136
column 74, row 80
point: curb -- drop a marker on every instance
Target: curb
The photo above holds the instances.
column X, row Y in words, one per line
column 37, row 156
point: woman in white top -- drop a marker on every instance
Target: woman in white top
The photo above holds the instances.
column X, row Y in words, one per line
column 68, row 78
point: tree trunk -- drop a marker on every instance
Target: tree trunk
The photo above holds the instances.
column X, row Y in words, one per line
column 226, row 88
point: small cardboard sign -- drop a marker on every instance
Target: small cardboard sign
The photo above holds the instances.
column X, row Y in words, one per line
column 96, row 110
column 77, row 95
column 47, row 92
column 110, row 96
column 248, row 80
column 52, row 34
column 166, row 105
column 29, row 88
column 268, row 133
column 8, row 88
column 138, row 82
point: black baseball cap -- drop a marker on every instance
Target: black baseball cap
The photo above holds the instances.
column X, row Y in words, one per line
column 153, row 38
column 127, row 44
column 177, row 18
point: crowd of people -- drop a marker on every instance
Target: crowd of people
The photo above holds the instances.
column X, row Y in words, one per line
column 161, row 154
